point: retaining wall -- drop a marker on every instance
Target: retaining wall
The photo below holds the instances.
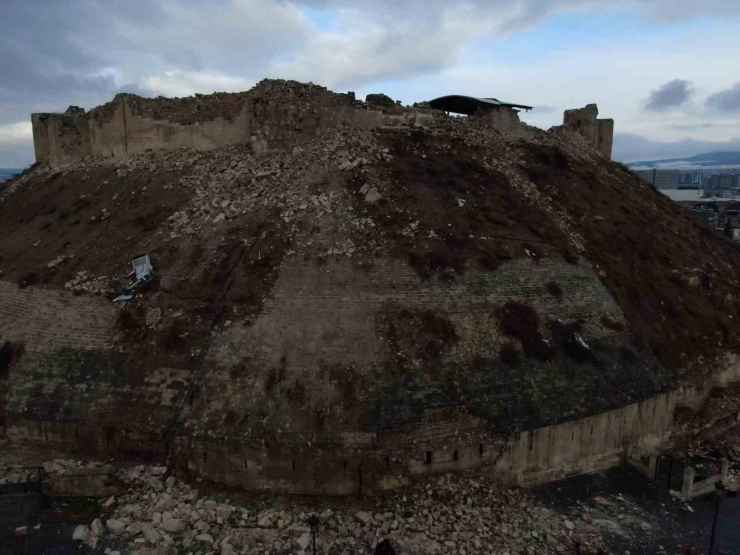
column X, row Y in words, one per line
column 71, row 390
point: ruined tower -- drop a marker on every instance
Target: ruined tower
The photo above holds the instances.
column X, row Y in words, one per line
column 583, row 123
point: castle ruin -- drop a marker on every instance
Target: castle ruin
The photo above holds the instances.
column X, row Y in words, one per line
column 131, row 124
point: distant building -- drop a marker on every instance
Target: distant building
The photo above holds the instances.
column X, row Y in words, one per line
column 691, row 180
column 727, row 181
column 661, row 179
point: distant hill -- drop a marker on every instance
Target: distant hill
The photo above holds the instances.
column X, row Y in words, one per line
column 706, row 160
column 7, row 173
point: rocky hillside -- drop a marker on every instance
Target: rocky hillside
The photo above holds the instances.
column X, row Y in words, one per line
column 366, row 280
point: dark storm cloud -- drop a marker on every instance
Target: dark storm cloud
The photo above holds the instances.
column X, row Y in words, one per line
column 61, row 53
column 48, row 58
column 725, row 102
column 671, row 95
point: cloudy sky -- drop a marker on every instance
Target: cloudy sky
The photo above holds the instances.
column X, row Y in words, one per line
column 667, row 71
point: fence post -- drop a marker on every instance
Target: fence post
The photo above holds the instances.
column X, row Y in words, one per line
column 688, row 483
column 652, row 466
column 724, row 469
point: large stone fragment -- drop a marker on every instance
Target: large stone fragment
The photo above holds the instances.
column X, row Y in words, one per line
column 115, row 526
column 173, row 525
column 150, row 534
column 81, row 533
column 97, row 527
column 303, row 541
column 224, row 511
column 373, row 196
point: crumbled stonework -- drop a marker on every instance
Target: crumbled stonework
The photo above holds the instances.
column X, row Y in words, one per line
column 447, row 514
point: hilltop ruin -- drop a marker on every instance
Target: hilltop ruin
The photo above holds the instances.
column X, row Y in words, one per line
column 348, row 295
column 131, row 124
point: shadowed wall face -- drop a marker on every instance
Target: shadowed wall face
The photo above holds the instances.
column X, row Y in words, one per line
column 597, row 133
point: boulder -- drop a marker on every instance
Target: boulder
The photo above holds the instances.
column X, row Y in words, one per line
column 204, row 539
column 97, row 527
column 373, row 196
column 115, row 526
column 224, row 512
column 173, row 525
column 303, row 541
column 150, row 534
column 192, row 496
column 81, row 533
column 365, row 518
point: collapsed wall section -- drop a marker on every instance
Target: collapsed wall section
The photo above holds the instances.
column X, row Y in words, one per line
column 583, row 123
column 274, row 115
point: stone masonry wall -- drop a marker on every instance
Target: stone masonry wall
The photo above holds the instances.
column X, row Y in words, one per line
column 333, row 319
column 65, row 390
column 46, row 320
column 275, row 115
column 71, row 385
column 40, row 128
column 325, row 323
column 527, row 458
column 108, row 129
column 583, row 123
column 60, row 139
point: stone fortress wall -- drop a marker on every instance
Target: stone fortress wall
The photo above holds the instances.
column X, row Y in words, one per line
column 74, row 388
column 131, row 124
column 584, row 124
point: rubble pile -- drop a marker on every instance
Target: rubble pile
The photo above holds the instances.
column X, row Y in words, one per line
column 448, row 514
column 83, row 282
column 16, row 474
column 231, row 181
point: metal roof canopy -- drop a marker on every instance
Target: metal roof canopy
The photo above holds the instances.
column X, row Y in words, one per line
column 469, row 105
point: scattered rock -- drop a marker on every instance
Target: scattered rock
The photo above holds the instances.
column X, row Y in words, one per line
column 173, row 525
column 81, row 533
column 373, row 196
column 115, row 526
